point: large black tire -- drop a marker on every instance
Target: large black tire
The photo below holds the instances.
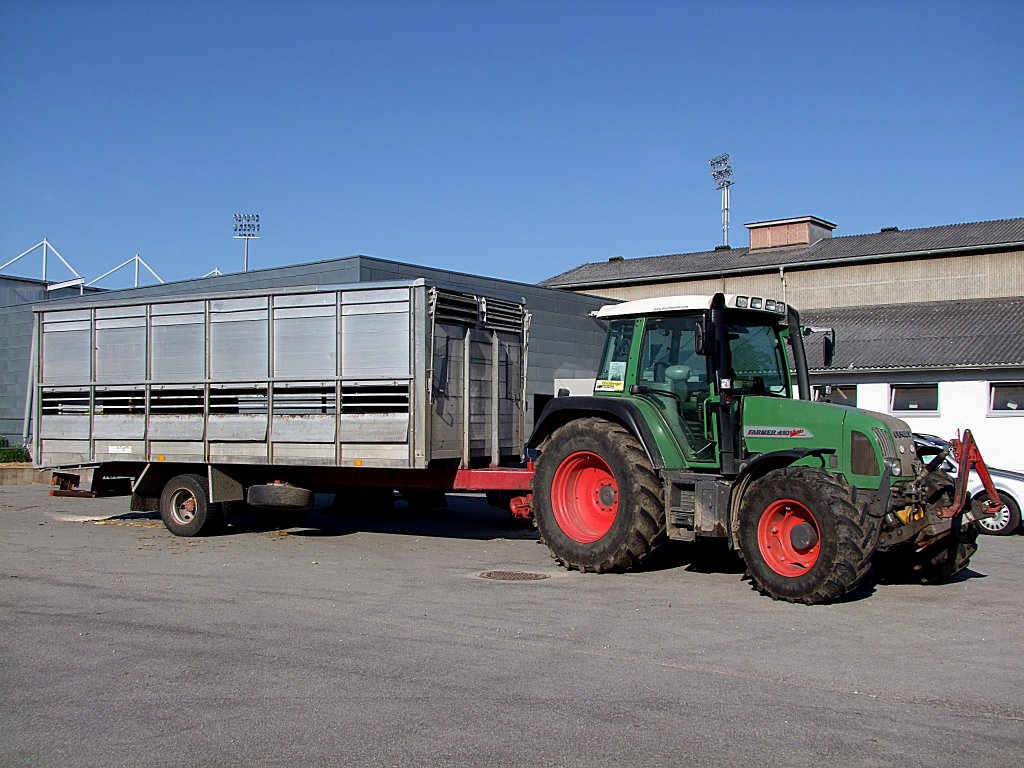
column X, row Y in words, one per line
column 946, row 558
column 597, row 500
column 186, row 509
column 279, row 496
column 1005, row 522
column 805, row 536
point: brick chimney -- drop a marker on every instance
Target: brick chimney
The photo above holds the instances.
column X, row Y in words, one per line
column 802, row 230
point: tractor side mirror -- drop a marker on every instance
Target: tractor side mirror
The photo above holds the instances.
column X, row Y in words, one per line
column 828, row 350
column 699, row 338
column 828, row 344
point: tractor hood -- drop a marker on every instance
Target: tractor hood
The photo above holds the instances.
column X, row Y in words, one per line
column 860, row 443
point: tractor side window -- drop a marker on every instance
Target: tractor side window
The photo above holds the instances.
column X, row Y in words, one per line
column 669, row 360
column 611, row 376
column 758, row 362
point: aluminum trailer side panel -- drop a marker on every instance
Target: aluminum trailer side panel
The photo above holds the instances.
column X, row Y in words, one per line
column 387, row 375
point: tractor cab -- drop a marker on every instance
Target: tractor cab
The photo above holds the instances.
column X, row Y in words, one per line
column 694, row 359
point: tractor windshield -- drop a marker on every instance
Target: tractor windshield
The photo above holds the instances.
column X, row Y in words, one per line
column 758, row 361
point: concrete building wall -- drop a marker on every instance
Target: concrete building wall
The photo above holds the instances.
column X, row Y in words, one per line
column 976, row 276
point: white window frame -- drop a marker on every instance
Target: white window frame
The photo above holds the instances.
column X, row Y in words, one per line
column 903, row 411
column 1003, row 412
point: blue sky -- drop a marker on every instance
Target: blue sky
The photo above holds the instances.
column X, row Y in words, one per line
column 511, row 139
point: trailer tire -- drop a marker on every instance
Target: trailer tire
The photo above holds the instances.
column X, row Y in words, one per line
column 597, row 499
column 279, row 496
column 804, row 535
column 186, row 509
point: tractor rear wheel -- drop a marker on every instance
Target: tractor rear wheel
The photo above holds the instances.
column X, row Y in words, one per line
column 804, row 535
column 597, row 500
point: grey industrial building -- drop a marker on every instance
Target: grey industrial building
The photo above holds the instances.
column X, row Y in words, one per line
column 564, row 340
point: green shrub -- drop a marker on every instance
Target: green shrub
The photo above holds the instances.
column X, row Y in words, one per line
column 9, row 454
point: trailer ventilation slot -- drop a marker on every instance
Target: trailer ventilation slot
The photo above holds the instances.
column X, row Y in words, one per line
column 454, row 307
column 119, row 402
column 244, row 400
column 299, row 401
column 374, row 398
column 176, row 402
column 500, row 315
column 514, row 576
column 58, row 403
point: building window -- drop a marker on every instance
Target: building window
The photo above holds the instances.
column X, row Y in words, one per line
column 914, row 398
column 1006, row 398
column 837, row 394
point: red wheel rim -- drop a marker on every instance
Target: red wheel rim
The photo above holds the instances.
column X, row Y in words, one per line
column 584, row 497
column 789, row 538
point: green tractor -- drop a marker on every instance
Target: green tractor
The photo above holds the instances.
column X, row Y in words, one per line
column 693, row 432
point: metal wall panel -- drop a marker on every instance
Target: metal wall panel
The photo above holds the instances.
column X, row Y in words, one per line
column 119, row 450
column 320, row 454
column 304, row 428
column 176, row 426
column 121, row 350
column 239, row 339
column 56, row 452
column 178, row 338
column 66, row 347
column 170, row 451
column 375, row 336
column 305, row 341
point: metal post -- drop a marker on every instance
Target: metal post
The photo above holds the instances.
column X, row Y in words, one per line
column 30, row 392
column 725, row 214
column 466, row 397
column 136, row 270
column 45, row 244
column 245, row 262
column 495, row 401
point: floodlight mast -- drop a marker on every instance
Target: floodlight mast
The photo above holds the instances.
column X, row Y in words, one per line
column 721, row 172
column 247, row 227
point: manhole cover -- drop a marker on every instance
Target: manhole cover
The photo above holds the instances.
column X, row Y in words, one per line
column 514, row 576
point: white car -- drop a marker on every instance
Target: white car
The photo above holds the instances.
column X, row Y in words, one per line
column 1010, row 486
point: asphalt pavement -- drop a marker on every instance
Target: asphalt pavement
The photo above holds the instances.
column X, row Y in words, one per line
column 373, row 640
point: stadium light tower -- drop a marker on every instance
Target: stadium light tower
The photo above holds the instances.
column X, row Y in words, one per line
column 721, row 172
column 247, row 227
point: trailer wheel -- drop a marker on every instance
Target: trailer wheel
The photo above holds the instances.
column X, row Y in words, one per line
column 185, row 507
column 279, row 496
column 597, row 499
column 804, row 535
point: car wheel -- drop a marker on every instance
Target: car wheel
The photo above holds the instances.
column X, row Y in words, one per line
column 1006, row 521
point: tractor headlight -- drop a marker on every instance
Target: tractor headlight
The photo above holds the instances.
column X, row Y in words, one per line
column 893, row 465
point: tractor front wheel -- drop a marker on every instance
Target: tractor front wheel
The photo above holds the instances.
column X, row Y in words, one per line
column 804, row 535
column 597, row 500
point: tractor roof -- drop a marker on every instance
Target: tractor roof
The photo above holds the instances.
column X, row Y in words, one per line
column 689, row 303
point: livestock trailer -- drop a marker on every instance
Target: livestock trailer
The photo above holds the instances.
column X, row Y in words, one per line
column 397, row 384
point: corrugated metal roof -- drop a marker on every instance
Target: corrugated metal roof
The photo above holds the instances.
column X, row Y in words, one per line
column 946, row 334
column 977, row 235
